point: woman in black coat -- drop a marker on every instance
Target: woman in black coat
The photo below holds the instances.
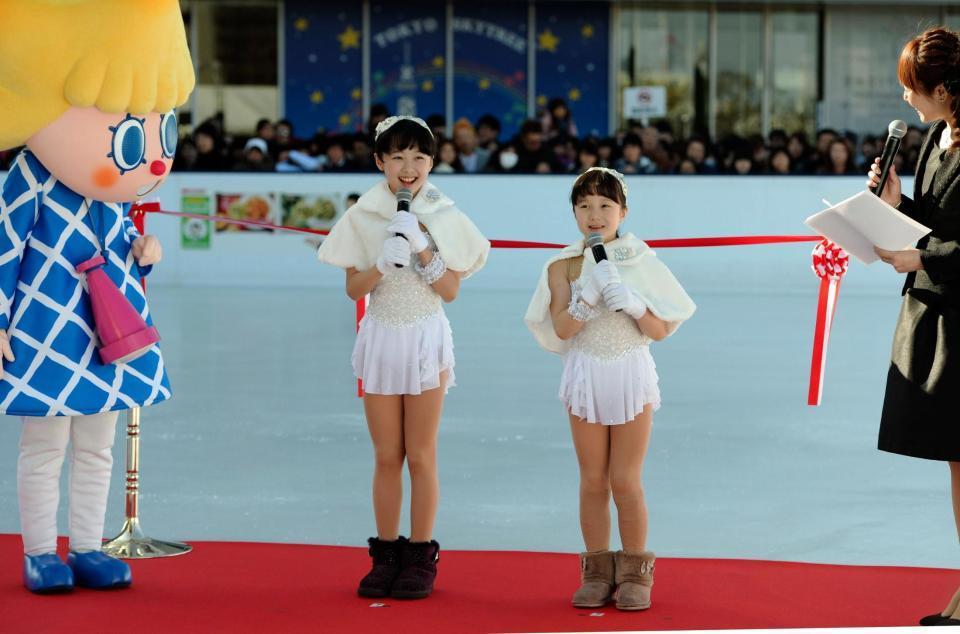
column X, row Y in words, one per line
column 921, row 407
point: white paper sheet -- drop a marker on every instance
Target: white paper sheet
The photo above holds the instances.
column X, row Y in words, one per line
column 863, row 221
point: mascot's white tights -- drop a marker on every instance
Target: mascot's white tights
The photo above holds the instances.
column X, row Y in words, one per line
column 43, row 446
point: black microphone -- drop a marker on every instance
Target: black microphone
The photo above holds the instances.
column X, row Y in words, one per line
column 404, row 197
column 895, row 132
column 595, row 242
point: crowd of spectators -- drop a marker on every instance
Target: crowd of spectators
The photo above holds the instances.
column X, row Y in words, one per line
column 548, row 145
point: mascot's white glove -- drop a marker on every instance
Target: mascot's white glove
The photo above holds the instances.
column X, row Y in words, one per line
column 602, row 275
column 618, row 297
column 407, row 225
column 395, row 254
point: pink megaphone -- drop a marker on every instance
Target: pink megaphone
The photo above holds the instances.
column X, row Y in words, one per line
column 123, row 334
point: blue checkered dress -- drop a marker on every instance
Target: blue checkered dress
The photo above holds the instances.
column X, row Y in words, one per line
column 46, row 229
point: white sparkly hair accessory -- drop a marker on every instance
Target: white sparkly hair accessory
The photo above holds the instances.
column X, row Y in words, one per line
column 388, row 123
column 617, row 175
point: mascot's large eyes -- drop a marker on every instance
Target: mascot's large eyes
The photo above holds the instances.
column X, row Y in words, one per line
column 129, row 144
column 169, row 134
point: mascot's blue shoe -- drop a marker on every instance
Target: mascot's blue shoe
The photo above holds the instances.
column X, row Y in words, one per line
column 97, row 570
column 46, row 574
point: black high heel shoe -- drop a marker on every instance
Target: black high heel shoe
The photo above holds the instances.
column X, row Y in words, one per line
column 932, row 619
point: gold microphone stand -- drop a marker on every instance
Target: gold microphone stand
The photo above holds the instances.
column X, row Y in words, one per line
column 132, row 543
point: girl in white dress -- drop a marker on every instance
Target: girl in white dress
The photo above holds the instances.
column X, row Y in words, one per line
column 602, row 317
column 409, row 262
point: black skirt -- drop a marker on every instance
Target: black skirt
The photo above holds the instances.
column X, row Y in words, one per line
column 922, row 400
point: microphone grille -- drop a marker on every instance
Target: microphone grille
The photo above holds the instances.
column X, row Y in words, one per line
column 594, row 239
column 897, row 128
column 404, row 194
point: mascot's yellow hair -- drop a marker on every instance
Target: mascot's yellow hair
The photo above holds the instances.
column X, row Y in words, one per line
column 118, row 55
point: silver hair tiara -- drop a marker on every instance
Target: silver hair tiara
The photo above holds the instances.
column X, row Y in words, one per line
column 388, row 123
column 617, row 175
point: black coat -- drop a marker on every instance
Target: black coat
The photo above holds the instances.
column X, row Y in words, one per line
column 938, row 209
column 922, row 400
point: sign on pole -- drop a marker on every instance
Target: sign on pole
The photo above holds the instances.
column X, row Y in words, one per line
column 644, row 102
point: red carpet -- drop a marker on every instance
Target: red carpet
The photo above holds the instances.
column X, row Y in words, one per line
column 240, row 587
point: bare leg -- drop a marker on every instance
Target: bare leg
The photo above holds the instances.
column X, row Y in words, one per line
column 628, row 448
column 953, row 608
column 592, row 443
column 421, row 422
column 385, row 422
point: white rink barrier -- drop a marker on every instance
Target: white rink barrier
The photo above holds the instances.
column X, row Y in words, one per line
column 516, row 207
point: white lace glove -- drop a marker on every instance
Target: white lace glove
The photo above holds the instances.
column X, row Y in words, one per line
column 395, row 254
column 618, row 297
column 602, row 275
column 407, row 225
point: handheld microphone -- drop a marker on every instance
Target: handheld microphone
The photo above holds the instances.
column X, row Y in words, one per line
column 595, row 242
column 404, row 198
column 895, row 132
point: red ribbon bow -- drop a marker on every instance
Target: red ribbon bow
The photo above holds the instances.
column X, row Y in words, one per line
column 830, row 263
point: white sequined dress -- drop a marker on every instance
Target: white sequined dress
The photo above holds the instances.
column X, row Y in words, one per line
column 608, row 371
column 404, row 342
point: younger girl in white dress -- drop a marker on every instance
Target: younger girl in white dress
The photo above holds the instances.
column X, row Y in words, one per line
column 602, row 317
column 409, row 263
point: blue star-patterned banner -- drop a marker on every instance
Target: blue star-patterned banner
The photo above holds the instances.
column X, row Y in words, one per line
column 323, row 61
column 490, row 62
column 408, row 57
column 572, row 60
column 323, row 70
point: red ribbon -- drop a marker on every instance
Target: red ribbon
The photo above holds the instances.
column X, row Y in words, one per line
column 154, row 208
column 830, row 263
column 670, row 243
column 667, row 243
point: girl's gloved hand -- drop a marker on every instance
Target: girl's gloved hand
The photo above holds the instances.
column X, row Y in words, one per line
column 602, row 275
column 407, row 225
column 618, row 297
column 395, row 254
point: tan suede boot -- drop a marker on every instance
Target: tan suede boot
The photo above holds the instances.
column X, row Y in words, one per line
column 634, row 580
column 596, row 579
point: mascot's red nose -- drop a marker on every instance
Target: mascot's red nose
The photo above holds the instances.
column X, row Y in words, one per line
column 157, row 168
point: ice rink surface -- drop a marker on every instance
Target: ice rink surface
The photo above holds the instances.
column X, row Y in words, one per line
column 265, row 439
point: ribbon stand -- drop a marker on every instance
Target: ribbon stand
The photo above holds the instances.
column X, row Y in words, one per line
column 132, row 543
column 361, row 311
